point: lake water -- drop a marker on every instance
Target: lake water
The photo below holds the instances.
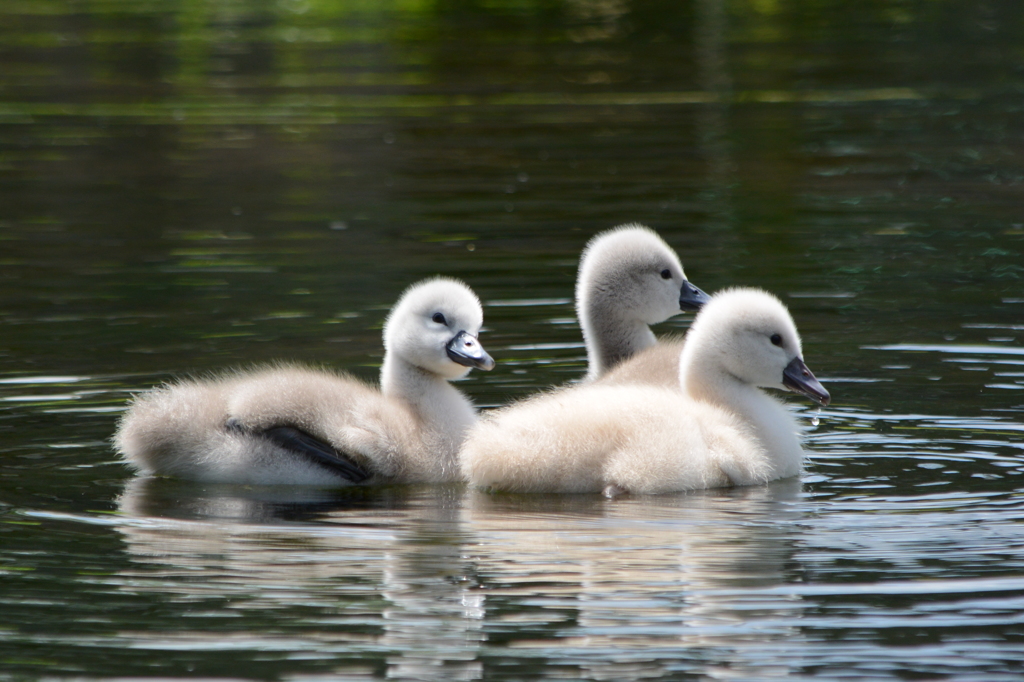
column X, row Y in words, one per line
column 191, row 186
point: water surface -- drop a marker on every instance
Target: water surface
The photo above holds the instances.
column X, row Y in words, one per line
column 186, row 187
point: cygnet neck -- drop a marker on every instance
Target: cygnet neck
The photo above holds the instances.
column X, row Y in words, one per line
column 611, row 335
column 767, row 418
column 442, row 408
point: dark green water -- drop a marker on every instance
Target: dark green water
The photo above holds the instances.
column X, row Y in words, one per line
column 186, row 186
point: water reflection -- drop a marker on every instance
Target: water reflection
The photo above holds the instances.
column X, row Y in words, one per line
column 434, row 621
column 372, row 574
column 429, row 578
column 579, row 569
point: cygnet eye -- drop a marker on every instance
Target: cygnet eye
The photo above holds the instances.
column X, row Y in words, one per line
column 776, row 340
column 439, row 318
column 666, row 274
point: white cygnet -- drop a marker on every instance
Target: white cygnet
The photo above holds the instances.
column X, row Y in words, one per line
column 719, row 430
column 628, row 279
column 302, row 426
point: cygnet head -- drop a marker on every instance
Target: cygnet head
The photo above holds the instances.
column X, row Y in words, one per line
column 636, row 275
column 435, row 325
column 750, row 335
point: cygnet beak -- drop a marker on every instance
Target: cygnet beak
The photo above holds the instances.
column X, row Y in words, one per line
column 691, row 298
column 798, row 378
column 465, row 350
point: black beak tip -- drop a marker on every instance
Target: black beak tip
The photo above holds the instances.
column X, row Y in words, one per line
column 691, row 298
column 799, row 379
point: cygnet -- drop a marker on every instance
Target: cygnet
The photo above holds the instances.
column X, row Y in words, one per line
column 718, row 428
column 628, row 279
column 302, row 426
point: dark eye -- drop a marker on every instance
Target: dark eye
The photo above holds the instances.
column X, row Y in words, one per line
column 776, row 340
column 666, row 274
column 439, row 318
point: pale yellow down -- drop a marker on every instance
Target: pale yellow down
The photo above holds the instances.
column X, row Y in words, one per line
column 408, row 430
column 657, row 365
column 611, row 439
column 179, row 430
column 718, row 429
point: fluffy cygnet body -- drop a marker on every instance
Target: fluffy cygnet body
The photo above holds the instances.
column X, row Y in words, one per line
column 720, row 429
column 628, row 279
column 656, row 365
column 303, row 426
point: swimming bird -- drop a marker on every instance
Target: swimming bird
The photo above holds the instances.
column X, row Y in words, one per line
column 718, row 428
column 288, row 424
column 628, row 279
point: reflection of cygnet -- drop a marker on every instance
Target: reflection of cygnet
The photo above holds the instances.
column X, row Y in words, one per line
column 629, row 278
column 296, row 425
column 719, row 430
column 676, row 571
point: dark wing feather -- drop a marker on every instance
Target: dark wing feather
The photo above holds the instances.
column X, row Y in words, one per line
column 312, row 448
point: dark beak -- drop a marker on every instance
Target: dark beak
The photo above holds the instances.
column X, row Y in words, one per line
column 465, row 349
column 691, row 298
column 798, row 378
